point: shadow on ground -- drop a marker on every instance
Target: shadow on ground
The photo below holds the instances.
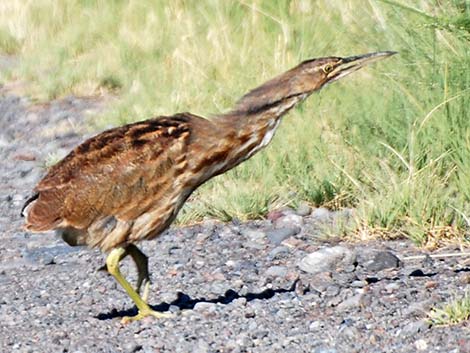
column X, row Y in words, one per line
column 185, row 302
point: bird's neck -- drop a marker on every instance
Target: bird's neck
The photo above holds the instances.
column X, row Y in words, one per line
column 238, row 135
column 251, row 130
column 257, row 114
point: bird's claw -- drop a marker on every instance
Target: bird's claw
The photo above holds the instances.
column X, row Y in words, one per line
column 145, row 313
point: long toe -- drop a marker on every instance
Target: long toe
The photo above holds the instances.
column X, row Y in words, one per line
column 144, row 313
column 145, row 295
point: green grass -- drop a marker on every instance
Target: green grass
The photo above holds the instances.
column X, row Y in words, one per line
column 453, row 313
column 392, row 141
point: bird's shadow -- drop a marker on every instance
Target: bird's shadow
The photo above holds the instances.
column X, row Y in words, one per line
column 185, row 302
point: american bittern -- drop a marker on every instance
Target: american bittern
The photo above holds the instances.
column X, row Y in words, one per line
column 128, row 183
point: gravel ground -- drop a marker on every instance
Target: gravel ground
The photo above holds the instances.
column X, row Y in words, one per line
column 277, row 285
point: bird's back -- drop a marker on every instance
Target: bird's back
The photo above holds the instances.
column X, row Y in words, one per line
column 120, row 186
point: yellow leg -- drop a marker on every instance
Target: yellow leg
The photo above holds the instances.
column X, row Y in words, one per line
column 141, row 262
column 112, row 262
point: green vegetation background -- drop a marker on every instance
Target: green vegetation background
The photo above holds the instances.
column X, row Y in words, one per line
column 391, row 141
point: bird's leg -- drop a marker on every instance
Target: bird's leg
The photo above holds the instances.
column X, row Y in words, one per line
column 141, row 262
column 112, row 262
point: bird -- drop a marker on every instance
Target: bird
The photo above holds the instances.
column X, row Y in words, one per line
column 127, row 184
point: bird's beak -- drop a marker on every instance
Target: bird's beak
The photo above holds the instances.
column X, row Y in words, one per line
column 353, row 63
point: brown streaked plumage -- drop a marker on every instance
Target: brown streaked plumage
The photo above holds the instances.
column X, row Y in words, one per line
column 128, row 184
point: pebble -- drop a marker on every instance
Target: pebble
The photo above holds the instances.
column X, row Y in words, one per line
column 421, row 345
column 431, row 284
column 278, row 253
column 333, row 302
column 353, row 302
column 250, row 244
column 315, row 325
column 255, row 235
column 321, row 214
column 327, row 259
column 250, row 313
column 414, row 328
column 205, row 307
column 218, row 287
column 358, row 284
column 383, row 260
column 332, row 291
column 274, row 215
column 276, row 271
column 277, row 236
column 465, row 278
column 392, row 287
column 289, row 221
column 173, row 309
column 304, row 209
column 418, row 308
column 167, row 297
column 240, row 302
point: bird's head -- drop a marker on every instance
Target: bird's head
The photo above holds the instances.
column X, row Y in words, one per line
column 305, row 78
column 314, row 74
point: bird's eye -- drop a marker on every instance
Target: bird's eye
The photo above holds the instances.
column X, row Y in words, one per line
column 327, row 68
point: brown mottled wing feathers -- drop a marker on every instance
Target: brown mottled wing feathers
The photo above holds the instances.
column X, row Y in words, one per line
column 121, row 172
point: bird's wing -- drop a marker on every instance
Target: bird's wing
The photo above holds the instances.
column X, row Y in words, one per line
column 119, row 173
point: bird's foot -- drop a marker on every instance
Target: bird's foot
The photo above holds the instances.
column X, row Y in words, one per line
column 145, row 295
column 145, row 313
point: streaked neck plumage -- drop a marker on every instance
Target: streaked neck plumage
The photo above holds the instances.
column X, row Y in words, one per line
column 254, row 120
column 250, row 126
column 255, row 129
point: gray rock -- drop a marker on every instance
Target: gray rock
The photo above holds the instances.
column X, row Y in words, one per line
column 327, row 259
column 421, row 345
column 240, row 302
column 205, row 307
column 335, row 301
column 173, row 309
column 48, row 255
column 254, row 234
column 383, row 260
column 289, row 221
column 419, row 308
column 321, row 214
column 413, row 328
column 352, row 302
column 277, row 236
column 332, row 291
column 391, row 287
column 253, row 245
column 315, row 325
column 349, row 332
column 358, row 284
column 304, row 209
column 276, row 271
column 39, row 258
column 131, row 347
column 218, row 287
column 278, row 252
column 167, row 297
